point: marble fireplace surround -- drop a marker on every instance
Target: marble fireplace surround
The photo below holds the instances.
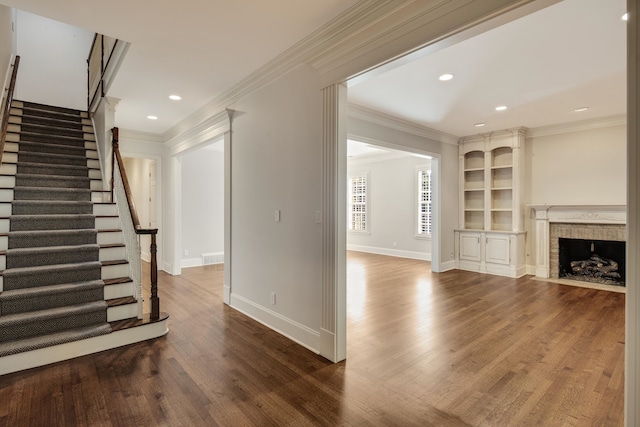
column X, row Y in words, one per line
column 598, row 222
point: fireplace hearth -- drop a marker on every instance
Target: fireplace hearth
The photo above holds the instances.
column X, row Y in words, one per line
column 595, row 261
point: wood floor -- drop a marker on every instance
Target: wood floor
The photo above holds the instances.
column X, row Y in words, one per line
column 450, row 349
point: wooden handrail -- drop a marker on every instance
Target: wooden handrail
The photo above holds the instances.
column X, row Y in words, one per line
column 117, row 159
column 6, row 108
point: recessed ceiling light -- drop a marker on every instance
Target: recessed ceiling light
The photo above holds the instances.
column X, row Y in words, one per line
column 625, row 17
column 152, row 117
column 501, row 108
column 175, row 97
column 479, row 125
column 445, row 77
column 581, row 109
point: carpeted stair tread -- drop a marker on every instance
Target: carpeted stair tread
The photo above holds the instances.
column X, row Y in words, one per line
column 51, row 222
column 44, row 275
column 51, row 158
column 61, row 181
column 50, row 108
column 52, row 193
column 40, row 298
column 50, row 255
column 35, row 323
column 50, row 130
column 51, row 138
column 46, row 238
column 34, row 343
column 43, row 147
column 52, row 169
column 65, row 122
column 44, row 207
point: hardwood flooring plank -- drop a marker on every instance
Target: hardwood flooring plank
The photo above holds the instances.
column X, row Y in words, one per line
column 425, row 349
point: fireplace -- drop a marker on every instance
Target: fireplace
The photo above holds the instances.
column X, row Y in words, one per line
column 591, row 224
column 595, row 261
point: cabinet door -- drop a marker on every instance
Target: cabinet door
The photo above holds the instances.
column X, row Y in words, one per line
column 470, row 246
column 497, row 249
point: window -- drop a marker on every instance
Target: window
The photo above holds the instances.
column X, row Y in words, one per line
column 357, row 209
column 424, row 202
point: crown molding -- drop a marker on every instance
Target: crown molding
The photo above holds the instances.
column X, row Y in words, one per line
column 141, row 136
column 600, row 122
column 212, row 127
column 392, row 122
column 379, row 157
column 357, row 16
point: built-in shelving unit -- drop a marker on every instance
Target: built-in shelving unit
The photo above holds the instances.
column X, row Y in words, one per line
column 491, row 212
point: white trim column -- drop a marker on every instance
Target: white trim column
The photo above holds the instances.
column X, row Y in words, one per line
column 632, row 347
column 542, row 241
column 226, row 297
column 333, row 329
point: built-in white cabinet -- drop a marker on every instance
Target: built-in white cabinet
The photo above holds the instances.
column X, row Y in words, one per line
column 491, row 234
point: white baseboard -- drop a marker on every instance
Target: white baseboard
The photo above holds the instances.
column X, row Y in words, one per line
column 60, row 352
column 424, row 256
column 190, row 262
column 291, row 329
column 531, row 270
column 448, row 265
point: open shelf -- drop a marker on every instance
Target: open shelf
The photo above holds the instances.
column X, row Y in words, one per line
column 502, row 156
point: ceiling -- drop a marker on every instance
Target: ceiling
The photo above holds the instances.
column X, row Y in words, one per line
column 192, row 48
column 542, row 66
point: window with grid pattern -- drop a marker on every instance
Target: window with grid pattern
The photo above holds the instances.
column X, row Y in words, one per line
column 358, row 203
column 424, row 202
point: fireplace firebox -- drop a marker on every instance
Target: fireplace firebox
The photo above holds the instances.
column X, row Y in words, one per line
column 596, row 261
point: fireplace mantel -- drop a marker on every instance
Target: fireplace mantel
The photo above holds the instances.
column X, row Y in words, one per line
column 569, row 214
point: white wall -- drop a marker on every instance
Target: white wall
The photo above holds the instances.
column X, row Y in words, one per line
column 7, row 41
column 574, row 167
column 53, row 62
column 392, row 208
column 276, row 165
column 202, row 204
column 138, row 175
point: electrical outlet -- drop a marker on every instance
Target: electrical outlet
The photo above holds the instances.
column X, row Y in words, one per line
column 395, row 244
column 273, row 298
column 276, row 215
column 186, row 252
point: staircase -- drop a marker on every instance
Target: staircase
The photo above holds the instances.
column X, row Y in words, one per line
column 65, row 280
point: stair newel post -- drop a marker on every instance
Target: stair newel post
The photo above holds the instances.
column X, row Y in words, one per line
column 155, row 301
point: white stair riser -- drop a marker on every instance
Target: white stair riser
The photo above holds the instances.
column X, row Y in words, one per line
column 96, row 184
column 90, row 145
column 113, row 254
column 105, row 209
column 100, row 196
column 89, row 136
column 87, row 122
column 3, row 262
column 107, row 223
column 92, row 154
column 115, row 271
column 15, row 119
column 11, row 147
column 4, row 243
column 6, row 195
column 4, row 226
column 12, row 137
column 5, row 209
column 8, row 169
column 109, row 238
column 10, row 158
column 13, row 128
column 95, row 174
column 122, row 312
column 7, row 181
column 120, row 290
column 93, row 164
